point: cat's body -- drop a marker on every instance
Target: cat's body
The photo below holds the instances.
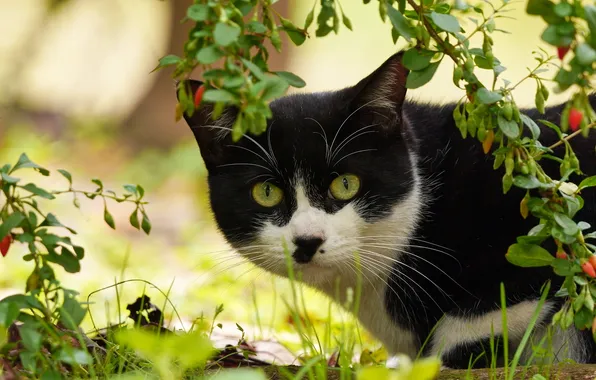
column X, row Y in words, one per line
column 428, row 218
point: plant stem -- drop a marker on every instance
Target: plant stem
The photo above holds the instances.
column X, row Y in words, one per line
column 447, row 49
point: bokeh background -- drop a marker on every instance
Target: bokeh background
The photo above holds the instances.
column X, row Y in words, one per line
column 77, row 92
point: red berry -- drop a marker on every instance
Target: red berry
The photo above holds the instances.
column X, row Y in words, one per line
column 562, row 51
column 588, row 269
column 199, row 96
column 592, row 260
column 561, row 254
column 575, row 118
column 5, row 244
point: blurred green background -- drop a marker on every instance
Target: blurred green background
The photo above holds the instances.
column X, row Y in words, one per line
column 76, row 92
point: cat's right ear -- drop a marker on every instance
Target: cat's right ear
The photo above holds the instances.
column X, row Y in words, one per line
column 211, row 135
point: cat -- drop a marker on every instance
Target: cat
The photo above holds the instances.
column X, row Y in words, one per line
column 364, row 170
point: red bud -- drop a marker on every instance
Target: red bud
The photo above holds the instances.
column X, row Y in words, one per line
column 588, row 269
column 562, row 51
column 199, row 96
column 575, row 118
column 5, row 245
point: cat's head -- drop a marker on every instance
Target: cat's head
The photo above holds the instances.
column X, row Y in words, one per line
column 334, row 174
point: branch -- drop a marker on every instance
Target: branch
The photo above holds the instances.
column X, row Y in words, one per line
column 447, row 49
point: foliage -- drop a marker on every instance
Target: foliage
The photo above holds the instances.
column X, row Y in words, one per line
column 487, row 112
column 43, row 321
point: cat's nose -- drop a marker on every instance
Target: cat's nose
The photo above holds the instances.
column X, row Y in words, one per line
column 306, row 247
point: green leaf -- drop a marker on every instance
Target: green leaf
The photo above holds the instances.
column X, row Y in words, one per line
column 486, row 96
column 73, row 356
column 400, row 23
column 309, row 18
column 563, row 9
column 420, row 78
column 552, row 36
column 209, row 55
column 527, row 182
column 9, row 311
column 66, row 259
column 588, row 182
column 293, row 79
column 590, row 15
column 198, row 12
column 168, row 60
column 346, row 21
column 31, row 338
column 12, row 221
column 532, row 126
column 72, row 313
column 446, row 22
column 509, row 127
column 585, row 54
column 296, row 35
column 257, row 72
column 225, row 34
column 134, row 219
column 52, row 221
column 219, row 96
column 66, row 175
column 528, row 255
column 538, row 7
column 256, row 27
column 30, row 187
column 569, row 226
column 146, row 224
column 25, row 162
column 9, row 179
column 109, row 219
column 271, row 88
column 415, row 59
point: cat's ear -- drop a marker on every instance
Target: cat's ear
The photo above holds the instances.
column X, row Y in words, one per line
column 211, row 135
column 385, row 89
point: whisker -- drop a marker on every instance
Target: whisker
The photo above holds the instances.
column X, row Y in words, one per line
column 353, row 153
column 245, row 164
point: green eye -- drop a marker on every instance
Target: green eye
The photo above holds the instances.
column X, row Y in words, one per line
column 267, row 194
column 345, row 187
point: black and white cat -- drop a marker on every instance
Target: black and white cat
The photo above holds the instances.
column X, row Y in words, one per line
column 361, row 169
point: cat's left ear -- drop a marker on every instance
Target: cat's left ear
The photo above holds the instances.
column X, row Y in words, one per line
column 385, row 89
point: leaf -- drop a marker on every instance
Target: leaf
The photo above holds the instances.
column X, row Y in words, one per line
column 588, row 182
column 569, row 226
column 346, row 21
column 274, row 87
column 225, row 34
column 528, row 255
column 219, row 96
column 198, row 12
column 309, row 18
column 168, row 60
column 296, row 35
column 244, row 374
column 527, row 182
column 488, row 97
column 293, row 79
column 146, row 224
column 52, row 221
column 420, row 78
column 209, row 55
column 31, row 338
column 400, row 23
column 73, row 356
column 532, row 126
column 25, row 162
column 9, row 179
column 134, row 219
column 72, row 313
column 9, row 311
column 415, row 59
column 109, row 219
column 508, row 127
column 30, row 187
column 256, row 70
column 585, row 54
column 66, row 175
column 446, row 22
column 66, row 259
column 12, row 221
